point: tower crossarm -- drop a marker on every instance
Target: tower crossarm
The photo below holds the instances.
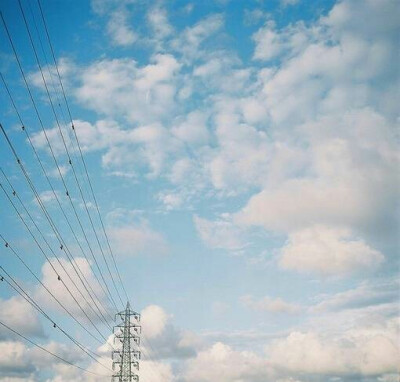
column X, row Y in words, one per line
column 117, row 355
column 122, row 337
column 135, row 364
column 134, row 377
column 135, row 327
column 130, row 313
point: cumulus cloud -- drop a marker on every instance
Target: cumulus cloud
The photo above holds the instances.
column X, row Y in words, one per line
column 364, row 353
column 351, row 334
column 121, row 87
column 193, row 129
column 340, row 185
column 18, row 313
column 154, row 320
column 222, row 363
column 328, row 251
column 304, row 135
column 243, row 152
column 340, row 190
column 125, row 151
column 67, row 273
column 66, row 67
column 18, row 362
column 268, row 43
column 134, row 240
column 190, row 41
column 132, row 235
column 14, row 359
column 152, row 371
column 157, row 18
column 162, row 340
column 119, row 30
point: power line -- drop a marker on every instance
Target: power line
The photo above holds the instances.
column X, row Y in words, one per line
column 56, row 88
column 40, row 202
column 49, row 352
column 64, row 143
column 49, row 71
column 24, row 128
column 54, row 158
column 71, row 259
column 51, row 150
column 8, row 245
column 55, row 271
column 79, row 146
column 17, row 288
column 147, row 354
column 66, row 148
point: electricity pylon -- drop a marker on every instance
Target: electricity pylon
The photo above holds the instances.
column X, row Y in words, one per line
column 127, row 358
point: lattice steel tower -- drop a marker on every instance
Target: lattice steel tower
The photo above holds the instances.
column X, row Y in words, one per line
column 127, row 334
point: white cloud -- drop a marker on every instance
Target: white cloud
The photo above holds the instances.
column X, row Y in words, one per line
column 135, row 239
column 131, row 234
column 162, row 340
column 347, row 180
column 268, row 43
column 66, row 68
column 242, row 154
column 389, row 378
column 147, row 148
column 254, row 111
column 222, row 363
column 351, row 334
column 332, row 54
column 328, row 251
column 371, row 352
column 125, row 151
column 49, row 279
column 269, row 304
column 18, row 313
column 221, row 72
column 364, row 295
column 152, row 371
column 119, row 29
column 157, row 18
column 171, row 201
column 154, row 321
column 335, row 170
column 193, row 129
column 219, row 233
column 119, row 87
column 271, row 43
column 310, row 133
column 191, row 39
column 48, row 196
column 18, row 362
column 254, row 16
column 39, row 140
column 14, row 359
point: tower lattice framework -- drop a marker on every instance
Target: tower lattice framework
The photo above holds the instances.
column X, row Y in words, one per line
column 127, row 336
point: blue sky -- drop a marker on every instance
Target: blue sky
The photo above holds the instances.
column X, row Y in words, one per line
column 244, row 158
